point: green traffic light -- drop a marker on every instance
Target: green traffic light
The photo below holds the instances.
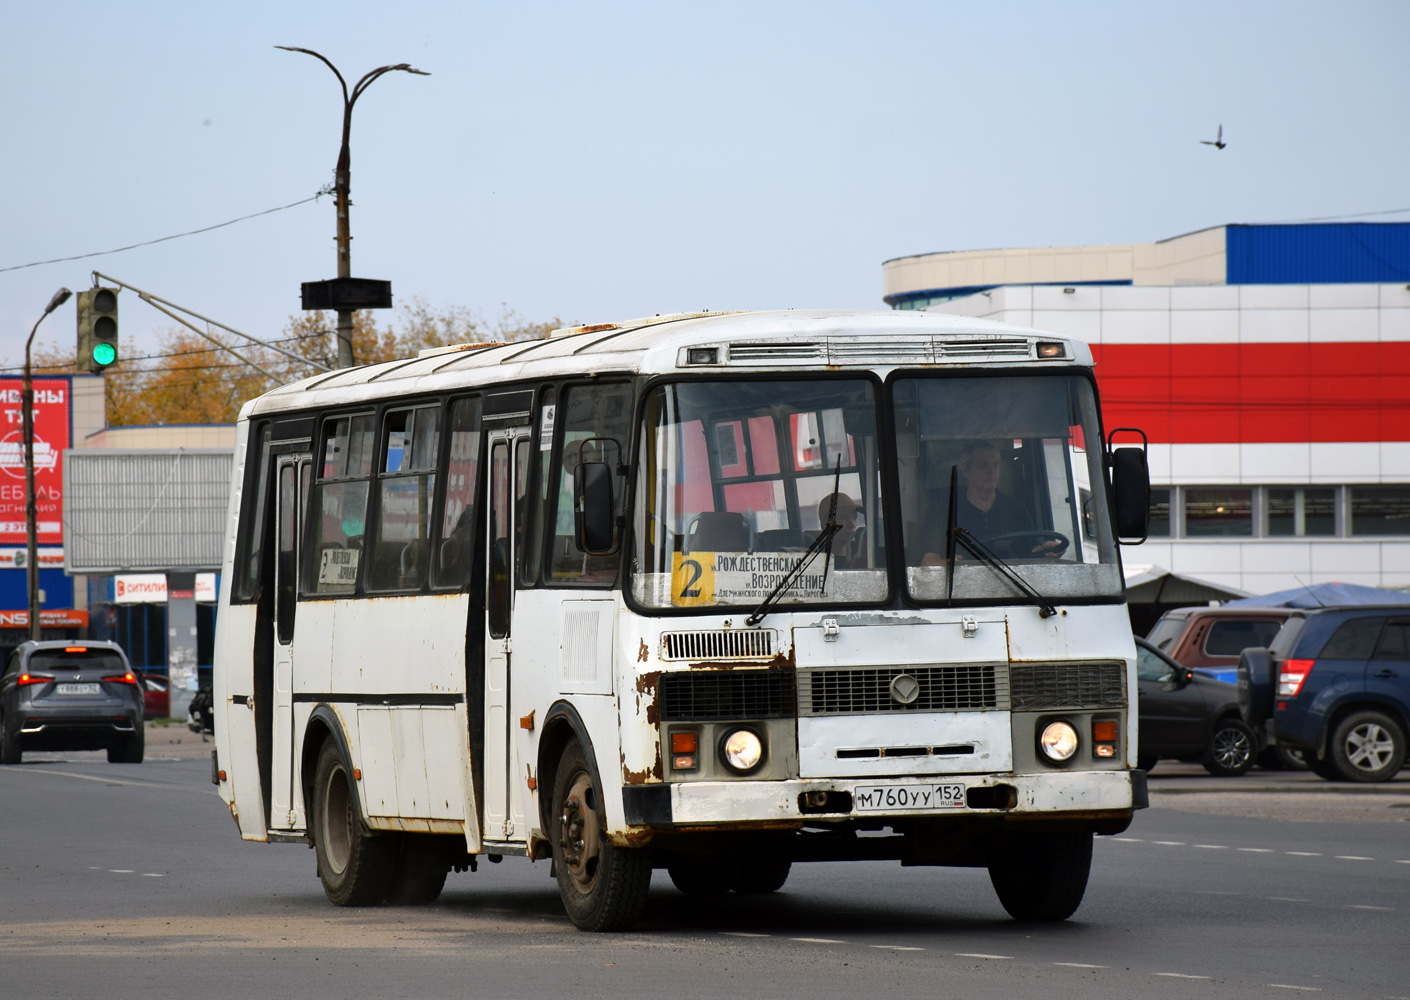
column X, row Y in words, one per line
column 104, row 354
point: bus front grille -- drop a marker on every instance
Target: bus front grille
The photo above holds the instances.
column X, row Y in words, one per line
column 940, row 688
column 727, row 695
column 1045, row 686
column 719, row 644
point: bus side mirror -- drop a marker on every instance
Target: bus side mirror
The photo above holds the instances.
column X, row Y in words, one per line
column 1130, row 494
column 594, row 508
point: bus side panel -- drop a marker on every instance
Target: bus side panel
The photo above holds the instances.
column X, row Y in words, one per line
column 235, row 740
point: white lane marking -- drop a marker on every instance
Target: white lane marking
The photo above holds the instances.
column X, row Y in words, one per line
column 1129, row 840
column 152, row 875
column 1288, row 899
column 1352, row 857
column 1255, row 850
column 95, row 868
column 1287, row 986
column 818, row 940
column 120, row 871
column 896, row 947
column 1354, row 906
column 1079, row 965
column 1212, row 847
column 743, row 934
column 1303, row 854
column 1169, row 843
column 104, row 781
column 975, row 954
column 1405, row 862
column 1179, row 975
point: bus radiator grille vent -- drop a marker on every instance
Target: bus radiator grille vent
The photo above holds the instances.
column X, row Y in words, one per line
column 844, row 352
column 998, row 347
column 727, row 696
column 1044, row 686
column 948, row 688
column 719, row 644
column 778, row 353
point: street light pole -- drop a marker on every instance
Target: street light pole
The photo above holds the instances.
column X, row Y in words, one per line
column 31, row 505
column 341, row 186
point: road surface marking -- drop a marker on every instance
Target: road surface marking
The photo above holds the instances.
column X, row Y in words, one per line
column 1352, row 857
column 1170, row 843
column 1129, row 840
column 896, row 947
column 152, row 875
column 1179, row 975
column 1288, row 899
column 743, row 934
column 818, row 940
column 975, row 954
column 1286, row 986
column 1303, row 854
column 1255, row 850
column 1079, row 965
column 120, row 871
column 1355, row 906
column 1212, row 847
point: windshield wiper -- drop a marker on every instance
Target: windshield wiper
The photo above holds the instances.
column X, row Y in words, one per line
column 824, row 538
column 963, row 536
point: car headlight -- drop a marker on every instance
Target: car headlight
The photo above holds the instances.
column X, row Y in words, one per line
column 1059, row 741
column 742, row 751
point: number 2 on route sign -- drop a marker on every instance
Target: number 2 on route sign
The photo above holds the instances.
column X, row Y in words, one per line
column 692, row 578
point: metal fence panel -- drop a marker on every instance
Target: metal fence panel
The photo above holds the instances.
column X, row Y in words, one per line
column 161, row 509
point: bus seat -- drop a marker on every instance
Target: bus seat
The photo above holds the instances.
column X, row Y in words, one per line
column 778, row 539
column 718, row 531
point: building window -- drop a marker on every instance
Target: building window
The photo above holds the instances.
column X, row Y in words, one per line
column 1380, row 510
column 1160, row 514
column 1301, row 511
column 1218, row 512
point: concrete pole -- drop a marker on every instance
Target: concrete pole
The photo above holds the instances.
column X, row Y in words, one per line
column 181, row 642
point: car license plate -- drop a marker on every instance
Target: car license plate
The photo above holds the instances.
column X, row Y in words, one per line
column 893, row 798
column 78, row 689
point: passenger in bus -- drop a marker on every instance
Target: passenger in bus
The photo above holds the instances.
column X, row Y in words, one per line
column 848, row 551
column 983, row 511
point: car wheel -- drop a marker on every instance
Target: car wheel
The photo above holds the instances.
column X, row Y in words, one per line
column 1041, row 876
column 761, row 877
column 1324, row 769
column 422, row 866
column 355, row 866
column 603, row 886
column 1367, row 746
column 1232, row 749
column 1147, row 764
column 1291, row 759
column 10, row 752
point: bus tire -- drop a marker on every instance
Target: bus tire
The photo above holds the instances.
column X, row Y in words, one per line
column 1041, row 877
column 702, row 879
column 355, row 865
column 603, row 886
column 756, row 878
column 421, row 870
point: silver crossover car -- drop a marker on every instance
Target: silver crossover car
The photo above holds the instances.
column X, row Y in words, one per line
column 71, row 696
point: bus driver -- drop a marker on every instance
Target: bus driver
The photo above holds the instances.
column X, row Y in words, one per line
column 983, row 511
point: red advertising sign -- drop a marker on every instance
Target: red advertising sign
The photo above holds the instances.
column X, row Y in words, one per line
column 62, row 618
column 52, row 400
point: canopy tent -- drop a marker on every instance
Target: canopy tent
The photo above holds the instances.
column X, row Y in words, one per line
column 1320, row 595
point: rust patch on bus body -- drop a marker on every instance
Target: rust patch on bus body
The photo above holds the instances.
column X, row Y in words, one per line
column 780, row 661
column 648, row 708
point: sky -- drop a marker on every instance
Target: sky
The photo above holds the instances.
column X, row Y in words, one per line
column 600, row 161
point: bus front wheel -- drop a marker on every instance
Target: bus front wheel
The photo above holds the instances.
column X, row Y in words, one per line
column 603, row 886
column 1041, row 876
column 356, row 867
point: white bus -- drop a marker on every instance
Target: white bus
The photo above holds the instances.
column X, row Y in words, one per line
column 709, row 593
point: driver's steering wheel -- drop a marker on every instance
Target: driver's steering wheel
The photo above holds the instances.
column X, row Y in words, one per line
column 1019, row 544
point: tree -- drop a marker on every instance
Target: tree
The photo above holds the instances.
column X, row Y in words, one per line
column 188, row 380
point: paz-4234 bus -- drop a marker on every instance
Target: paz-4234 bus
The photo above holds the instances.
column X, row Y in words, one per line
column 708, row 593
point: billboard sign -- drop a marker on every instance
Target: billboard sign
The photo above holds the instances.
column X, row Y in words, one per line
column 52, row 428
column 150, row 588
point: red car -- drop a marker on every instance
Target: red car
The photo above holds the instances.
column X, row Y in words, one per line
column 155, row 699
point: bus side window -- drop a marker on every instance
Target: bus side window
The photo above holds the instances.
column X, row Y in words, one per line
column 400, row 553
column 596, row 426
column 456, row 547
column 337, row 511
column 252, row 519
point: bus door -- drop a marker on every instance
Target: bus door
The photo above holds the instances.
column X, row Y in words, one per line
column 509, row 470
column 292, row 479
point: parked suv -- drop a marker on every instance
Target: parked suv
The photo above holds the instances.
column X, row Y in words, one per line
column 71, row 696
column 1337, row 681
column 1209, row 640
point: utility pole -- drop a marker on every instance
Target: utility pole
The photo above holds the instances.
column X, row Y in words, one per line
column 31, row 504
column 342, row 186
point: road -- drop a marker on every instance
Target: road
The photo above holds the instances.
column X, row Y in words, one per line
column 130, row 879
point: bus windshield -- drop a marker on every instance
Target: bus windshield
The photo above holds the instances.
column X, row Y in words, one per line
column 1023, row 454
column 738, row 478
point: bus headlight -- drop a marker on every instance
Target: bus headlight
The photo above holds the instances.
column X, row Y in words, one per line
column 1059, row 741
column 742, row 751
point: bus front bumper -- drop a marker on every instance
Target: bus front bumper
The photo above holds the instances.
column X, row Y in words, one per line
column 1057, row 795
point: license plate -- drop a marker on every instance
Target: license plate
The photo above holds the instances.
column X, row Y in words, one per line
column 893, row 798
column 78, row 689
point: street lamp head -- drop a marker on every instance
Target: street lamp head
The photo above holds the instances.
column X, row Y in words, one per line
column 60, row 297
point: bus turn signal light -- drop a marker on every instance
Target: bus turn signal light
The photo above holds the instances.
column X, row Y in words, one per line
column 683, row 743
column 1104, row 732
column 1291, row 674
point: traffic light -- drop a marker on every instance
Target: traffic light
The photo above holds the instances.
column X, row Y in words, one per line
column 97, row 329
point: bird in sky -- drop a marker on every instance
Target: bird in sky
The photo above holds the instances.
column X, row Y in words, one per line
column 1218, row 142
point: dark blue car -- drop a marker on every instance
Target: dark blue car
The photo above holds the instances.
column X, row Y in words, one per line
column 1339, row 682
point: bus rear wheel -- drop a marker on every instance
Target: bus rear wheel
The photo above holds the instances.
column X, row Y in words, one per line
column 1041, row 876
column 603, row 886
column 356, row 866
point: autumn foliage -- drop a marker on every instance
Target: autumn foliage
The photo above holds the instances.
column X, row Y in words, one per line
column 189, row 380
